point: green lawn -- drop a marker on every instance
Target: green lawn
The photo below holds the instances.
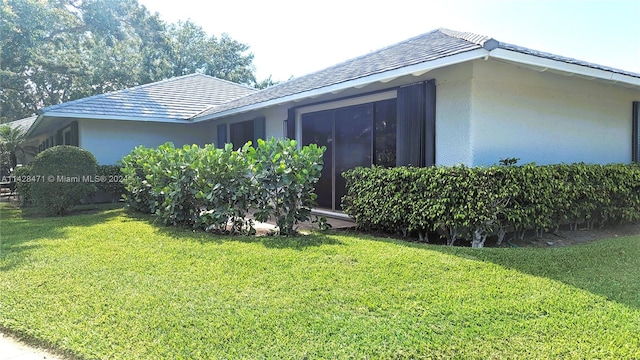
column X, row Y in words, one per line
column 111, row 285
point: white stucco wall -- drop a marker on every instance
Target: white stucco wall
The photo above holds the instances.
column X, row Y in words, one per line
column 453, row 112
column 547, row 117
column 110, row 140
column 488, row 110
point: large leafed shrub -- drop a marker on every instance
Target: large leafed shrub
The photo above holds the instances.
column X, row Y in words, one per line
column 285, row 177
column 62, row 176
column 217, row 189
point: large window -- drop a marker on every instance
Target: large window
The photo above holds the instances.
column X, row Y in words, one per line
column 391, row 128
column 357, row 135
column 240, row 133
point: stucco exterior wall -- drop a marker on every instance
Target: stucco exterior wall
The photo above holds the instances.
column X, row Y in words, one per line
column 546, row 118
column 110, row 140
column 488, row 110
column 453, row 112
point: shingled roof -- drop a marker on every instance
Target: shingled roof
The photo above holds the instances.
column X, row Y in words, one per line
column 175, row 99
column 23, row 124
column 426, row 48
column 200, row 97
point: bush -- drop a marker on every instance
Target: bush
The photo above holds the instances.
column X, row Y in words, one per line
column 22, row 175
column 109, row 180
column 215, row 189
column 135, row 167
column 64, row 173
column 476, row 202
column 285, row 178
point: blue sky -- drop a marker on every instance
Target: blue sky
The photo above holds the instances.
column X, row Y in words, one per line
column 294, row 38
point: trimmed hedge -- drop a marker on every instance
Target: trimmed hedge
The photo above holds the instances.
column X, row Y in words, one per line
column 109, row 181
column 477, row 202
column 216, row 189
column 62, row 178
column 22, row 176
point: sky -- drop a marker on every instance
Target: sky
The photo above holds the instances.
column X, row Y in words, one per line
column 294, row 38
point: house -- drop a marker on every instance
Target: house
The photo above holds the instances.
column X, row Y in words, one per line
column 443, row 98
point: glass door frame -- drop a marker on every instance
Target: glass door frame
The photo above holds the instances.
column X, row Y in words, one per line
column 337, row 104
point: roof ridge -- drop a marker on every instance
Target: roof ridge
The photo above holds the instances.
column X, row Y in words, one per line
column 478, row 39
column 125, row 90
column 365, row 55
column 341, row 63
column 135, row 88
column 230, row 82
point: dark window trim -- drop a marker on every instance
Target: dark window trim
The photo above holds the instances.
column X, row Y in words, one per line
column 428, row 156
column 635, row 143
column 293, row 109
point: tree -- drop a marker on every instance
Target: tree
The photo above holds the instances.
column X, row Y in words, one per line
column 268, row 82
column 194, row 51
column 12, row 145
column 55, row 51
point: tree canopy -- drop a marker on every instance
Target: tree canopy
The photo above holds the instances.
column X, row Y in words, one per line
column 53, row 51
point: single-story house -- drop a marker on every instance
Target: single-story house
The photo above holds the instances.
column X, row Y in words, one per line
column 441, row 98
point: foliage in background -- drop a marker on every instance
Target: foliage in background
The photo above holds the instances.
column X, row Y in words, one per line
column 477, row 202
column 215, row 189
column 58, row 178
column 54, row 51
column 109, row 180
column 23, row 187
column 12, row 148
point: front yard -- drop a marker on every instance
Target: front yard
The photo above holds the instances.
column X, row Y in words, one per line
column 112, row 285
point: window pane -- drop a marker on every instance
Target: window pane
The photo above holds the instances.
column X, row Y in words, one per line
column 317, row 128
column 241, row 133
column 385, row 134
column 353, row 133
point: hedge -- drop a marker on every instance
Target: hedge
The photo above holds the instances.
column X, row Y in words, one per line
column 217, row 189
column 61, row 178
column 477, row 202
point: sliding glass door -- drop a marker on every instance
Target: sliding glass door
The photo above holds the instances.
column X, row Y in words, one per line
column 358, row 135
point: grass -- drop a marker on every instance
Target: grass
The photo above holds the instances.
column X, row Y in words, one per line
column 111, row 285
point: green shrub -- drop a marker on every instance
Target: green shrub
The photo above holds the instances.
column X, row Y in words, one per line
column 476, row 202
column 135, row 167
column 285, row 177
column 215, row 189
column 65, row 173
column 226, row 189
column 109, row 180
column 22, row 175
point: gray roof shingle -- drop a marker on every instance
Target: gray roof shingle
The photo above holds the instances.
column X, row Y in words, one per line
column 179, row 98
column 430, row 46
column 24, row 124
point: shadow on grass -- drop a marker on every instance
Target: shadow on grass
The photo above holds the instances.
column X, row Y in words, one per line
column 20, row 230
column 609, row 268
column 299, row 242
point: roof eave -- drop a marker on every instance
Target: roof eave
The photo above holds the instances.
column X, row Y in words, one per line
column 415, row 70
column 572, row 69
column 34, row 125
column 112, row 117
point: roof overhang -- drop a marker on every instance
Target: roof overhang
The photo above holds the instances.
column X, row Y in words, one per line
column 55, row 114
column 531, row 61
column 542, row 64
column 415, row 70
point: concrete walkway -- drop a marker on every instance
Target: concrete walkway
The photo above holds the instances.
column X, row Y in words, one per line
column 13, row 349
